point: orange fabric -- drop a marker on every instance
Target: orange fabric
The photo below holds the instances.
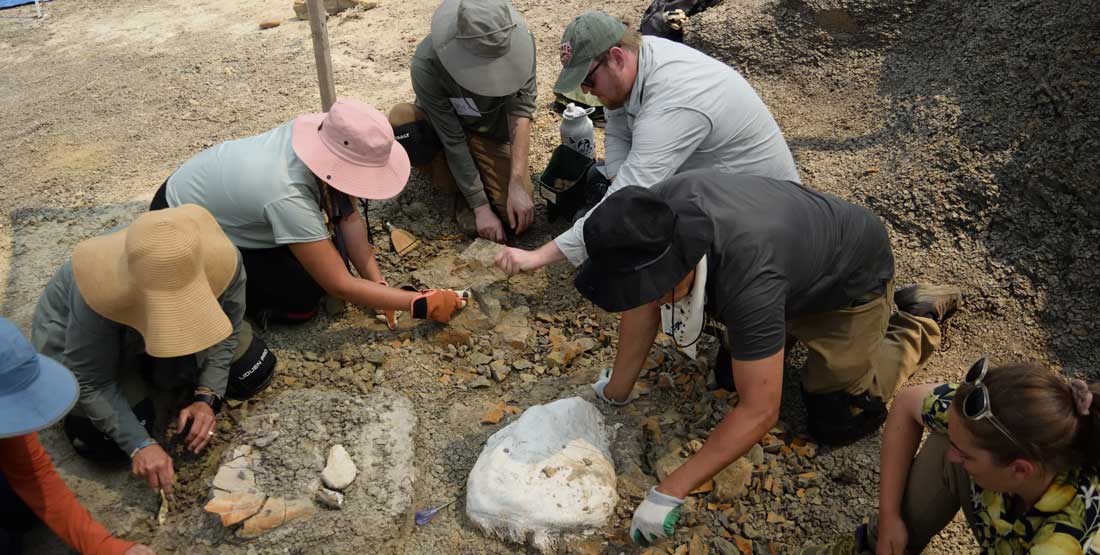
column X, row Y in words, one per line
column 32, row 476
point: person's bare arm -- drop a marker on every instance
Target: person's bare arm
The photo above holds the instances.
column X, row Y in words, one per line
column 760, row 385
column 900, row 439
column 323, row 262
column 354, row 231
column 521, row 208
column 514, row 261
column 637, row 330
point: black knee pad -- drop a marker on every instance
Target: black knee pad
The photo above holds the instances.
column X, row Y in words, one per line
column 419, row 141
column 252, row 372
column 840, row 418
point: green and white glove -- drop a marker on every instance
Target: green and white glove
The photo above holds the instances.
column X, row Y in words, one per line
column 655, row 518
column 601, row 383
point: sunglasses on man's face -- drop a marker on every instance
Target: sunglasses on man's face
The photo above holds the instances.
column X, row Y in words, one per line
column 587, row 83
column 976, row 406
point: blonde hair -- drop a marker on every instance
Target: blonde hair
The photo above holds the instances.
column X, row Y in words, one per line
column 631, row 40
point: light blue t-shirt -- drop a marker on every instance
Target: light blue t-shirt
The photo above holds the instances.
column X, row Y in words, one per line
column 261, row 193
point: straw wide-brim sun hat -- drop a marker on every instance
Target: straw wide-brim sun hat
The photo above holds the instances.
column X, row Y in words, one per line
column 162, row 275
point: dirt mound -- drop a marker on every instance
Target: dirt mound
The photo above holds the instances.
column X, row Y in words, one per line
column 973, row 128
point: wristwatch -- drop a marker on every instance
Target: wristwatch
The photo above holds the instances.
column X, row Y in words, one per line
column 211, row 399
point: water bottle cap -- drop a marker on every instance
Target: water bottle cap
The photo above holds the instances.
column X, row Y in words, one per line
column 572, row 111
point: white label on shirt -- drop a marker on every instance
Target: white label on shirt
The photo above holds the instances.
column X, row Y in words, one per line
column 465, row 107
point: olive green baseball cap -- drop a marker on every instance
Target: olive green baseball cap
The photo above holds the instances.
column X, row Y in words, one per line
column 592, row 33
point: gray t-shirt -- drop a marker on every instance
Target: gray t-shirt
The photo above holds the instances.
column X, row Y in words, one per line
column 261, row 193
column 780, row 251
column 686, row 111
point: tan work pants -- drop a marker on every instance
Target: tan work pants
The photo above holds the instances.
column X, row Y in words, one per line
column 493, row 161
column 865, row 348
column 934, row 493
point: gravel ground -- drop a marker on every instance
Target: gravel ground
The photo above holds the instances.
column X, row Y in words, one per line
column 971, row 129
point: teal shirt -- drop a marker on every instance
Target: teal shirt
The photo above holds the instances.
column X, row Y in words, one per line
column 261, row 193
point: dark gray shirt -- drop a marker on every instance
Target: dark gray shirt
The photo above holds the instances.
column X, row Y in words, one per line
column 780, row 251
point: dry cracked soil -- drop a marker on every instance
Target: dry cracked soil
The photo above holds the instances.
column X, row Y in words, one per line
column 971, row 128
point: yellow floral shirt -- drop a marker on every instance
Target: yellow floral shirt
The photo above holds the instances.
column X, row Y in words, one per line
column 1065, row 520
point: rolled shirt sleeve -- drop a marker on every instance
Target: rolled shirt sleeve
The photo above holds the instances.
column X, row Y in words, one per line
column 296, row 219
column 215, row 367
column 657, row 147
column 433, row 100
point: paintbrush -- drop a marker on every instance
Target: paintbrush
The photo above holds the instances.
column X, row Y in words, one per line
column 403, row 242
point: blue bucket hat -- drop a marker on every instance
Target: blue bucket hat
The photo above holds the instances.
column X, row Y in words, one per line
column 35, row 391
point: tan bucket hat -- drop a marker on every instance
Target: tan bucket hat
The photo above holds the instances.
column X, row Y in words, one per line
column 162, row 276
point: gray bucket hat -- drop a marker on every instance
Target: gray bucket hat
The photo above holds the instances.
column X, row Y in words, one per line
column 484, row 45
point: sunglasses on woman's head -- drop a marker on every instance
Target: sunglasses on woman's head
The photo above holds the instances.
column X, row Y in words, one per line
column 976, row 406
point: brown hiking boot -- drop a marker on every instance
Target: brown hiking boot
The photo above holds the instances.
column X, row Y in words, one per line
column 938, row 302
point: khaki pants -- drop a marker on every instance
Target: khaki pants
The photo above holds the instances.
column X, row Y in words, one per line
column 934, row 492
column 865, row 348
column 493, row 161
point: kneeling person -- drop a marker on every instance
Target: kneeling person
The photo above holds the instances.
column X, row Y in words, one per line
column 769, row 256
column 474, row 79
column 142, row 316
column 284, row 198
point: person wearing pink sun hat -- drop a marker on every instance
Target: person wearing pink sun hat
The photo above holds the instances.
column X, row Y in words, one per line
column 284, row 198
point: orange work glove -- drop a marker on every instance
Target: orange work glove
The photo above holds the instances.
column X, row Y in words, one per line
column 437, row 304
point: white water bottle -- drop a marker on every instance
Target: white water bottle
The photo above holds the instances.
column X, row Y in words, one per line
column 576, row 130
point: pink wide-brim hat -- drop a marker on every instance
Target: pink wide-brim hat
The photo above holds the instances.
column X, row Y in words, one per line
column 351, row 147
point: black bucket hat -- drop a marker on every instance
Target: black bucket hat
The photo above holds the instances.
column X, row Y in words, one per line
column 639, row 247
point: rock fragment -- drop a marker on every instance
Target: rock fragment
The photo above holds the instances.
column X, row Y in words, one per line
column 339, row 471
column 234, row 507
column 276, row 512
column 329, row 499
column 499, row 369
column 235, row 479
column 733, row 481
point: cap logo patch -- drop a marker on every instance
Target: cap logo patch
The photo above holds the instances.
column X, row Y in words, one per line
column 566, row 53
